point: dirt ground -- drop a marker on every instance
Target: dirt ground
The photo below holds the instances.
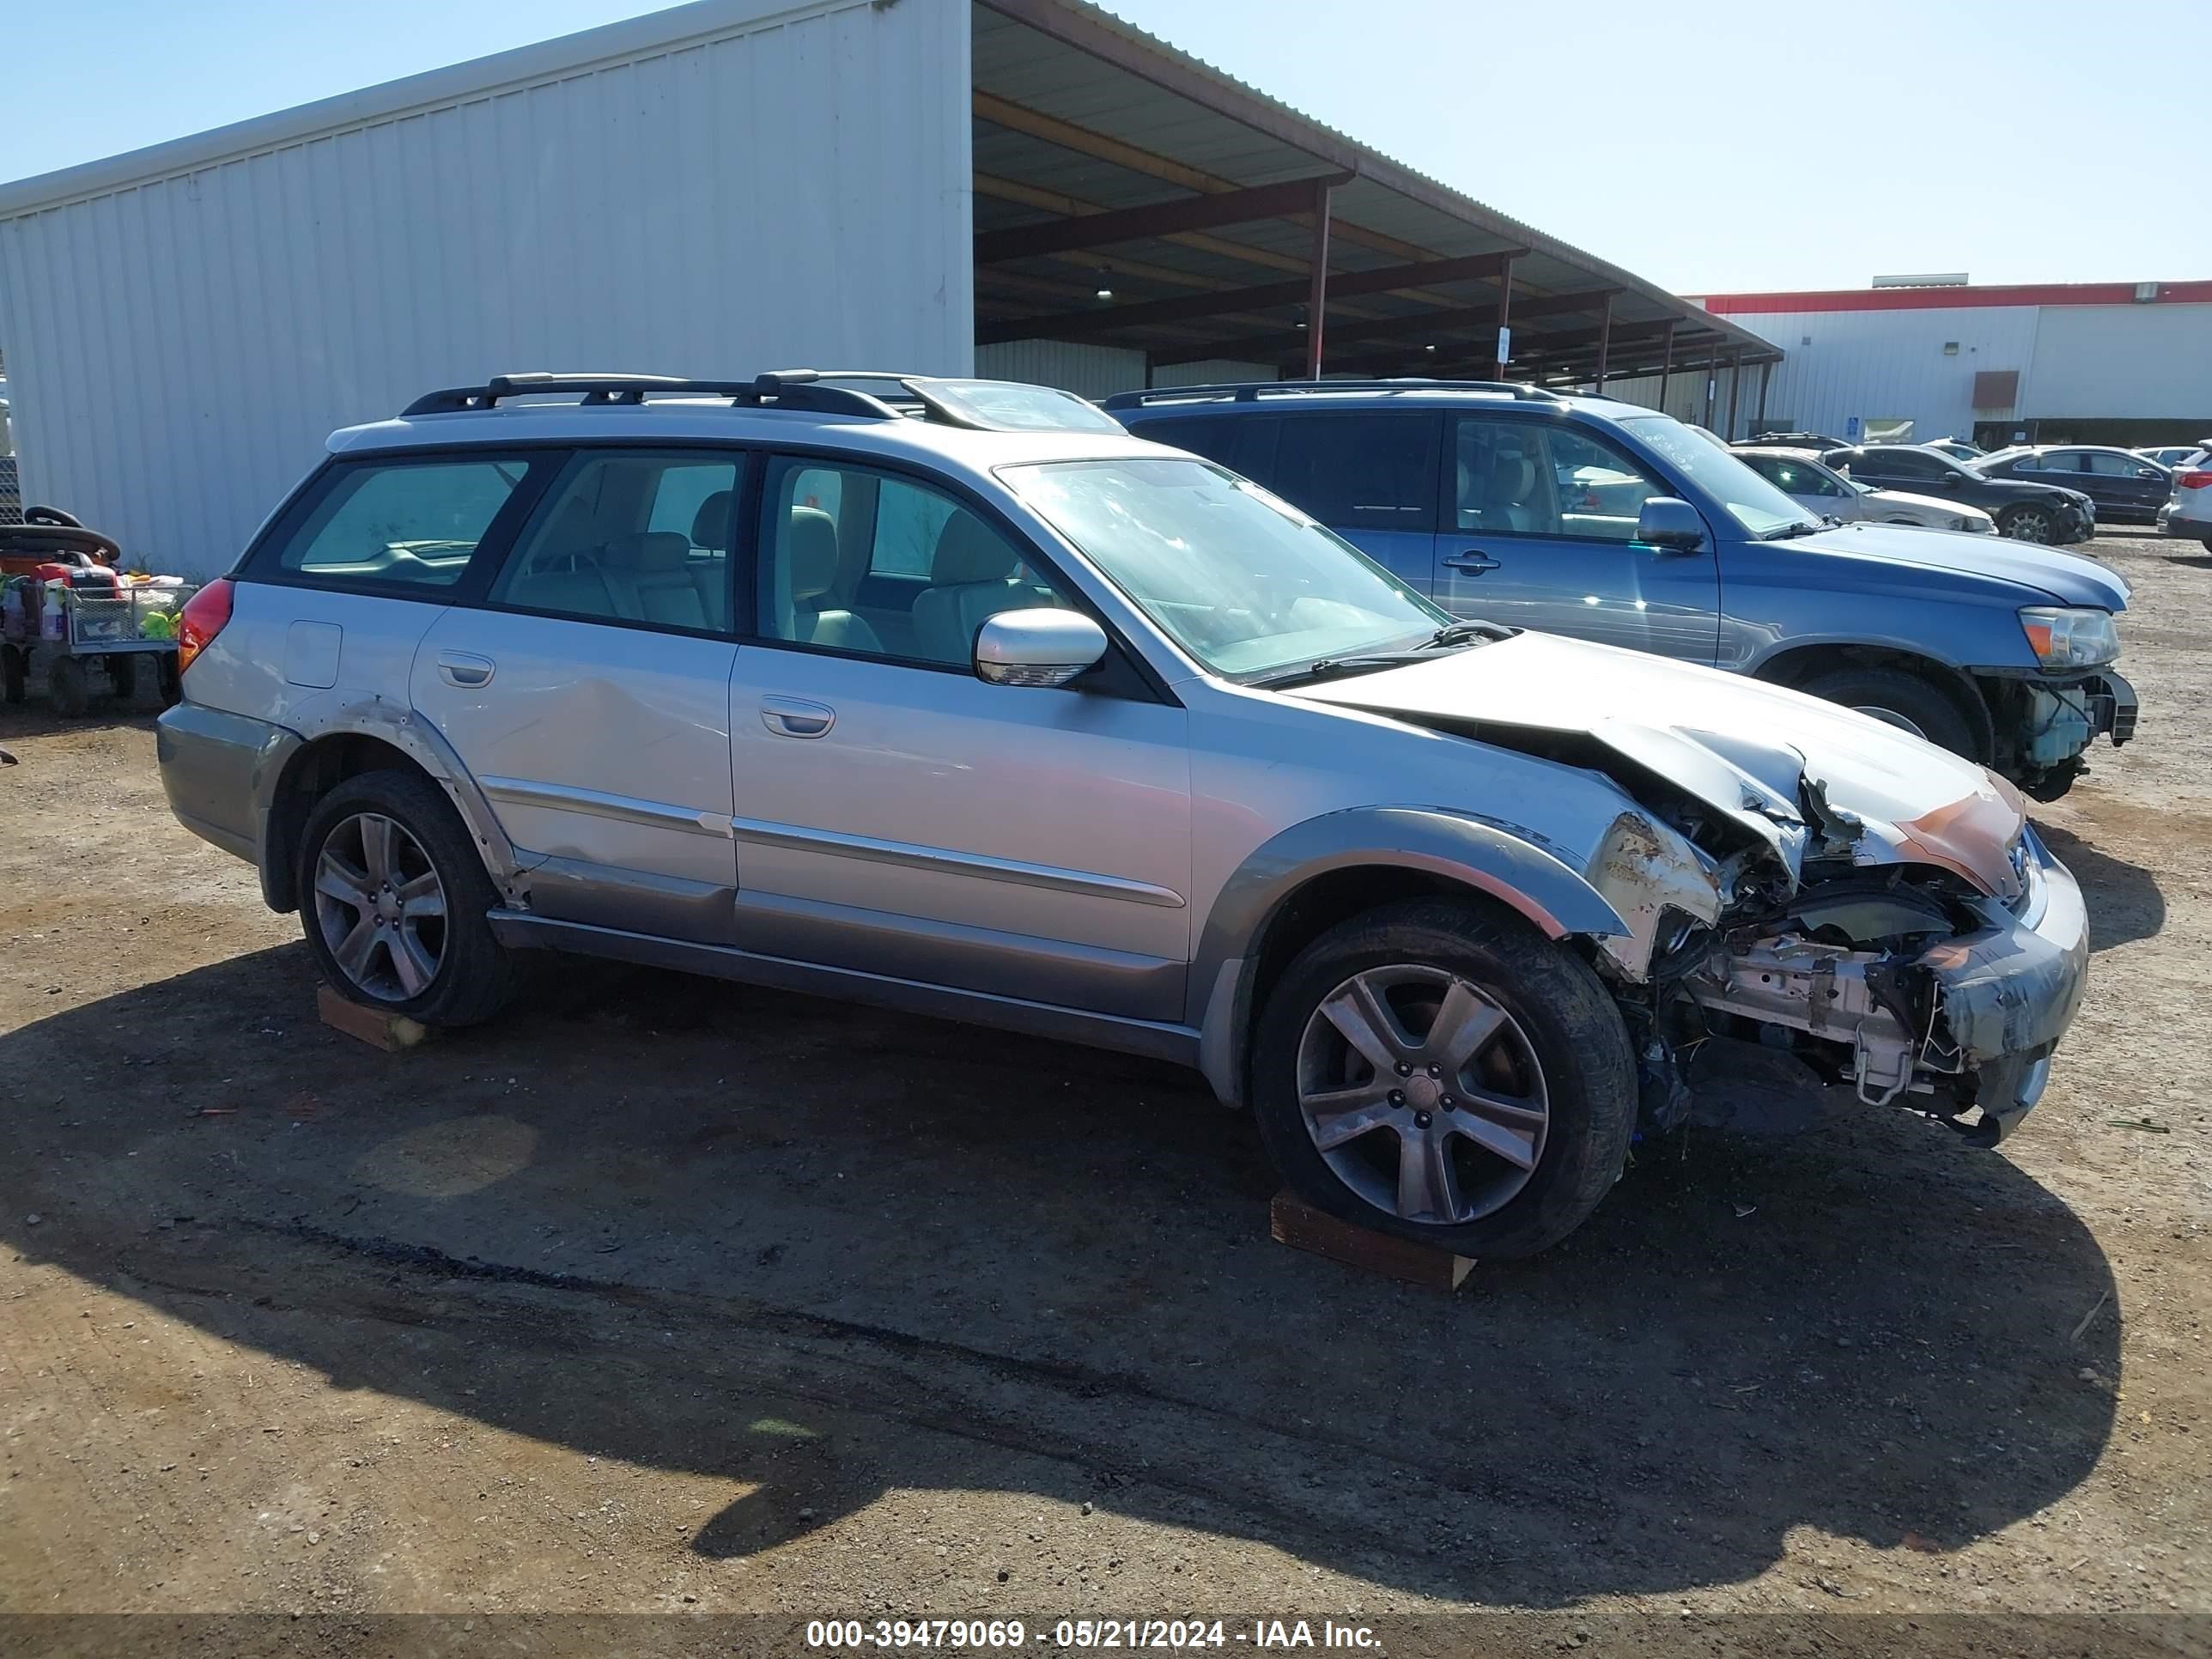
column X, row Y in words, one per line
column 661, row 1296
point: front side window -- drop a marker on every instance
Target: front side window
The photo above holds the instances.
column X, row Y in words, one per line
column 629, row 536
column 1752, row 503
column 405, row 523
column 869, row 562
column 1244, row 582
column 1793, row 478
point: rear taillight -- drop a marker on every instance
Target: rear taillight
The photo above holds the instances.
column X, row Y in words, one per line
column 2196, row 478
column 201, row 620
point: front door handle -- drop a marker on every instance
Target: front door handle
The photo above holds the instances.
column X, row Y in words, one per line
column 1474, row 561
column 795, row 717
column 462, row 669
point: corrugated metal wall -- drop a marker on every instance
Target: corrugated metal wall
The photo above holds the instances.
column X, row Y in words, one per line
column 715, row 190
column 1088, row 371
column 1890, row 365
column 1214, row 371
column 2125, row 362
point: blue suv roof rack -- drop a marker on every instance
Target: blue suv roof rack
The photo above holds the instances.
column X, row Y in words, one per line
column 1246, row 392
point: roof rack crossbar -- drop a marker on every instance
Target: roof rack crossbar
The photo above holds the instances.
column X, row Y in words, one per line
column 793, row 389
column 1245, row 392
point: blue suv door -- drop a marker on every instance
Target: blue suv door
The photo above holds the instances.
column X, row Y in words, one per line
column 1537, row 528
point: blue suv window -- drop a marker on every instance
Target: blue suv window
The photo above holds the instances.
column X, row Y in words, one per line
column 1359, row 471
column 1540, row 478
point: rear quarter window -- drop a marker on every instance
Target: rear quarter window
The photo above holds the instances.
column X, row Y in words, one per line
column 415, row 523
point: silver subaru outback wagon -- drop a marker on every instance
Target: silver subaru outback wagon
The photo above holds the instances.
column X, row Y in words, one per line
column 951, row 695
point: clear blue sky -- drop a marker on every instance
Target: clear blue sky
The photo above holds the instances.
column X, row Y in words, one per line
column 1707, row 147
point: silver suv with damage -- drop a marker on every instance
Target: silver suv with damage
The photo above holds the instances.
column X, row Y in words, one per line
column 951, row 696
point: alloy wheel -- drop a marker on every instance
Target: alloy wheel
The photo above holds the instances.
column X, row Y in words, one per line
column 380, row 906
column 1422, row 1094
column 2033, row 524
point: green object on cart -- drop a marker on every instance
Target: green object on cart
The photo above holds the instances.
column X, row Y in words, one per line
column 158, row 625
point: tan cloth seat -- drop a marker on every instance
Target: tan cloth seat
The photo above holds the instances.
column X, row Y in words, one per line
column 811, row 553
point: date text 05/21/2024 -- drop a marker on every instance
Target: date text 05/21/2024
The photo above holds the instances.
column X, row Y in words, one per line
column 1169, row 1635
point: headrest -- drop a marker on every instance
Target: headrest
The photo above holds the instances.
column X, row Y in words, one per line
column 969, row 551
column 710, row 527
column 813, row 552
column 1513, row 476
column 648, row 549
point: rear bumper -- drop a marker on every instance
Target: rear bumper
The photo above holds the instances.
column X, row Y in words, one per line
column 220, row 773
column 2007, row 993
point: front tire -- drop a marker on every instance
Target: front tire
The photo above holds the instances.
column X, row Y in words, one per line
column 1897, row 698
column 2029, row 522
column 1439, row 1071
column 69, row 686
column 393, row 901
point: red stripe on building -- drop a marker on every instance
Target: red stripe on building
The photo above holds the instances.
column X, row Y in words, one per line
column 1947, row 299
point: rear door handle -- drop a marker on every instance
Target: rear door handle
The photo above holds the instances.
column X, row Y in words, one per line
column 1474, row 561
column 461, row 668
column 795, row 717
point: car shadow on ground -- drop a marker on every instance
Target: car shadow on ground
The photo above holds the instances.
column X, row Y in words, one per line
column 822, row 1252
column 2124, row 901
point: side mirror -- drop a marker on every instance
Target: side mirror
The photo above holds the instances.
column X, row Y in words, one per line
column 2149, row 472
column 1037, row 647
column 1952, row 475
column 1670, row 523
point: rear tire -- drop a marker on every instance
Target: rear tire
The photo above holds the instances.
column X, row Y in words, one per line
column 14, row 672
column 1900, row 699
column 393, row 900
column 1519, row 1140
column 69, row 685
column 123, row 674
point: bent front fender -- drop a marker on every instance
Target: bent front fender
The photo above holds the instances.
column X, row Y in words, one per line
column 1493, row 858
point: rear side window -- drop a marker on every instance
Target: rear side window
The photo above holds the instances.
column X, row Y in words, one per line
column 1360, row 471
column 631, row 537
column 409, row 523
column 1242, row 444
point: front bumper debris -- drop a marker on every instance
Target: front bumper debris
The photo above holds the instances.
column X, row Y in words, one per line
column 1967, row 1024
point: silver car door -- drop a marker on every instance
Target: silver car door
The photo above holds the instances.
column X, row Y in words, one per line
column 588, row 693
column 898, row 816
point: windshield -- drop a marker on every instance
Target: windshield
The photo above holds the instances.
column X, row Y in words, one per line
column 1752, row 502
column 1243, row 581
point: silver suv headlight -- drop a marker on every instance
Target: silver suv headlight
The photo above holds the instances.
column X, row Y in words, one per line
column 2064, row 637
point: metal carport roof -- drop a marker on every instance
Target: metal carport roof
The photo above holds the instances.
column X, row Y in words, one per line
column 1106, row 159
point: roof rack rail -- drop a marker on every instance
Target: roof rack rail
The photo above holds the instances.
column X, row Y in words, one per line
column 793, row 389
column 1245, row 392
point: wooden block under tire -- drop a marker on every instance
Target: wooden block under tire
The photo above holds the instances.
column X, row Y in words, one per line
column 392, row 1033
column 1292, row 1221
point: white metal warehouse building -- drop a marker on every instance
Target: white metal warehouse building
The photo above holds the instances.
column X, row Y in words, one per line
column 1027, row 188
column 2127, row 363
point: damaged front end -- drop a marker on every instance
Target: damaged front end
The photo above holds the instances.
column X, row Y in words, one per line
column 1932, row 965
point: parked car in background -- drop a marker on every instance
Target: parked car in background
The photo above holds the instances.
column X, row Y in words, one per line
column 2188, row 511
column 1815, row 441
column 2025, row 511
column 2126, row 488
column 1957, row 448
column 2173, row 455
column 1475, row 493
column 1141, row 756
column 1821, row 490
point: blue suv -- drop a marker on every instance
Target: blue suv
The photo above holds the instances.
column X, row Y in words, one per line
column 1612, row 522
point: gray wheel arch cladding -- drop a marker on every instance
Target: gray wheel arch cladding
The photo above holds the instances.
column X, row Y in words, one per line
column 1488, row 858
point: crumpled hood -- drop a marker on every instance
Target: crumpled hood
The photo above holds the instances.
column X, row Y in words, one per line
column 1737, row 744
column 2067, row 578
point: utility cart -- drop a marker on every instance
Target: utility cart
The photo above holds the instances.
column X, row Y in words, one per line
column 77, row 629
